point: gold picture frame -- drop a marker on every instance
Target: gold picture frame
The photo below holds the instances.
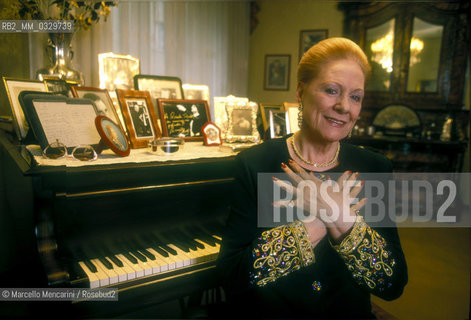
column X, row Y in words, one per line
column 292, row 108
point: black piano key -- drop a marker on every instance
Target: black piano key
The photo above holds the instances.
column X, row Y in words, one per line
column 116, row 261
column 198, row 244
column 181, row 246
column 139, row 255
column 207, row 240
column 168, row 249
column 106, row 263
column 147, row 254
column 130, row 257
column 90, row 266
column 161, row 251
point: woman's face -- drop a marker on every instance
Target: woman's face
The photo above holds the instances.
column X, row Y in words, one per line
column 332, row 100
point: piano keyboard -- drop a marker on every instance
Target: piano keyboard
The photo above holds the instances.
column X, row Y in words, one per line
column 113, row 269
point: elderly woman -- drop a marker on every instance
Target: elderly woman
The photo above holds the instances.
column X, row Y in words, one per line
column 319, row 266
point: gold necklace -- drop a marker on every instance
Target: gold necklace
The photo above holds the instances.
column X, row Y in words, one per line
column 315, row 164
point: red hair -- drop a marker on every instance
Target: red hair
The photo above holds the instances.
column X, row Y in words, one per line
column 328, row 50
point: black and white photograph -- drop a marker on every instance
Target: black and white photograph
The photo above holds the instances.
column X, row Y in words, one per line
column 139, row 115
column 279, row 123
column 242, row 123
column 163, row 87
column 183, row 118
column 140, row 118
column 196, row 91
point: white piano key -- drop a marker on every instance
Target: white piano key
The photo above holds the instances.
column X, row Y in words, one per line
column 199, row 255
column 135, row 266
column 166, row 262
column 155, row 264
column 186, row 259
column 212, row 251
column 122, row 272
column 112, row 275
column 131, row 273
column 102, row 276
column 92, row 277
column 179, row 260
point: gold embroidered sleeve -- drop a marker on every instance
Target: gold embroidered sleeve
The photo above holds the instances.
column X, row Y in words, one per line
column 365, row 253
column 279, row 251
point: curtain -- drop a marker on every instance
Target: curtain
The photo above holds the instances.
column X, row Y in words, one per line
column 201, row 42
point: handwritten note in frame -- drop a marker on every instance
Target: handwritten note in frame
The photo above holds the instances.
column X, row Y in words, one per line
column 183, row 118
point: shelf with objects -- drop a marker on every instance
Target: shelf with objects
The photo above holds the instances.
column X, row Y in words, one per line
column 414, row 110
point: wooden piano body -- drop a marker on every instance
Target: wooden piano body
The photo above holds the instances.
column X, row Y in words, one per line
column 54, row 216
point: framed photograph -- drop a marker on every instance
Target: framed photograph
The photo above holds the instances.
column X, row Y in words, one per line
column 265, row 109
column 242, row 124
column 13, row 87
column 279, row 123
column 116, row 71
column 102, row 100
column 57, row 85
column 220, row 113
column 211, row 134
column 139, row 115
column 308, row 38
column 112, row 136
column 277, row 68
column 183, row 118
column 292, row 108
column 159, row 87
column 196, row 91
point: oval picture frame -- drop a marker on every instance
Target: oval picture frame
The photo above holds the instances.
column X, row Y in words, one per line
column 112, row 136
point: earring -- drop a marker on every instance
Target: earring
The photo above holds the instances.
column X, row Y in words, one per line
column 300, row 114
column 350, row 134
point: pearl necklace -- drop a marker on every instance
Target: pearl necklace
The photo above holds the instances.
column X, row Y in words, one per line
column 315, row 164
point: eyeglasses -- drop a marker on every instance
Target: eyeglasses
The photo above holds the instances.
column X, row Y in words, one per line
column 57, row 150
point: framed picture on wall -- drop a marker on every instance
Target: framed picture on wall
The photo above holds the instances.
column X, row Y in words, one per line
column 308, row 38
column 277, row 67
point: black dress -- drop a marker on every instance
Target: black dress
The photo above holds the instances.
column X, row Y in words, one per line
column 334, row 283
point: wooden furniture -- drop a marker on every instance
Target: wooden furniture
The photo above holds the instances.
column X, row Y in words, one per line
column 58, row 216
column 418, row 52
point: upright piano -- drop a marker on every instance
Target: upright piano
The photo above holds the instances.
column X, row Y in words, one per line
column 152, row 230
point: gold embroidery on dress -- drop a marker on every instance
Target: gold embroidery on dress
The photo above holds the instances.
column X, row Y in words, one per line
column 280, row 251
column 364, row 252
